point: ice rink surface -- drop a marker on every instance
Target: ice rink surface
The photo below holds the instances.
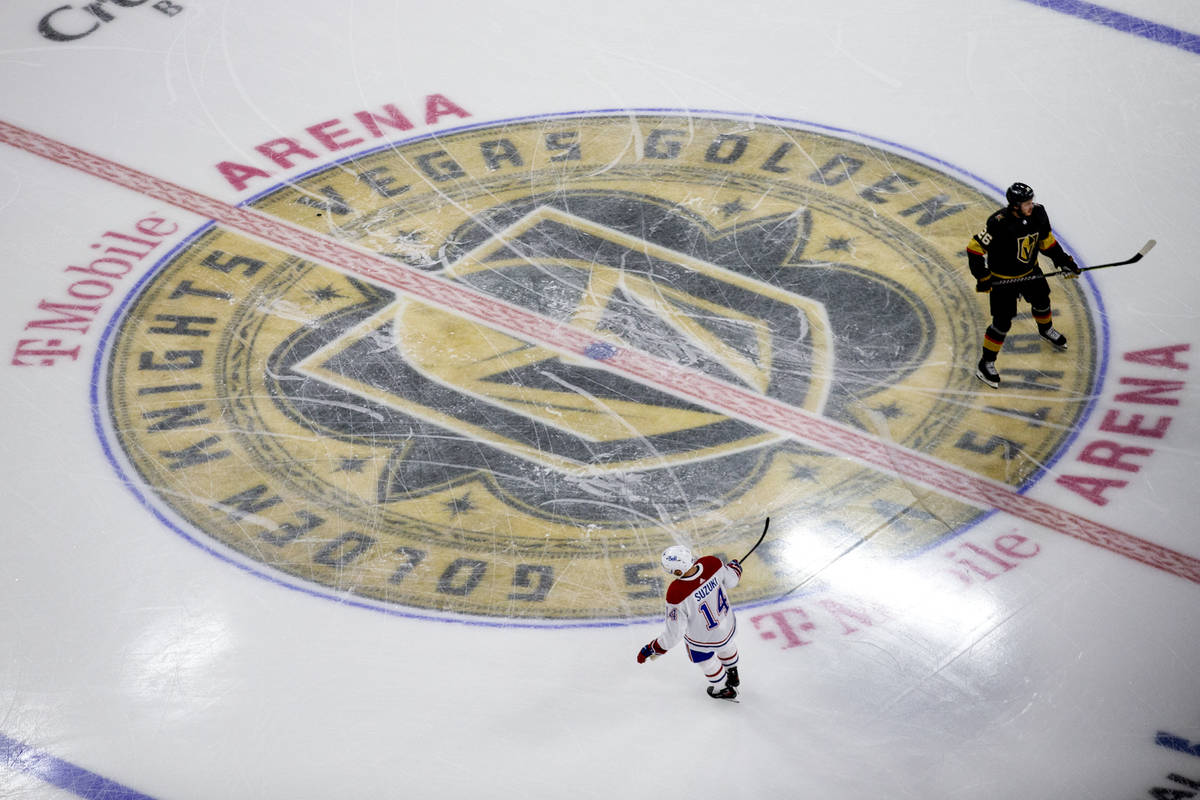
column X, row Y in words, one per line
column 363, row 357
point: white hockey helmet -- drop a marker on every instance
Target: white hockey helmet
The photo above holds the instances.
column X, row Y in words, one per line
column 677, row 559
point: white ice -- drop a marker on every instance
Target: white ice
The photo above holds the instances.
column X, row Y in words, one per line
column 134, row 655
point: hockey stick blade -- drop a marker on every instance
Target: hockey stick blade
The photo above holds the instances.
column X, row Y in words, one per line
column 766, row 525
column 1146, row 248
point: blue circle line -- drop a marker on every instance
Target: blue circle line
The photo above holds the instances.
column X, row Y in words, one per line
column 67, row 776
column 1125, row 23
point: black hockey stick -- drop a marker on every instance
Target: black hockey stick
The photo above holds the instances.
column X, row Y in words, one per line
column 766, row 525
column 1146, row 248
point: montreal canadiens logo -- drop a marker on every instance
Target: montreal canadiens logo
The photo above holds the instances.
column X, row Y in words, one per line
column 351, row 441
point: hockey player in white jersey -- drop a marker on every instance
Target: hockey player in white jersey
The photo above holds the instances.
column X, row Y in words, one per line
column 699, row 614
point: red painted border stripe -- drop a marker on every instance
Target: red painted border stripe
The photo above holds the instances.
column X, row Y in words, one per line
column 729, row 399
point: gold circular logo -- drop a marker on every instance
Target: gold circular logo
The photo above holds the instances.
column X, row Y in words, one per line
column 355, row 442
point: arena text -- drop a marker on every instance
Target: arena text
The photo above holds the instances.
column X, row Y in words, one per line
column 1130, row 422
column 333, row 135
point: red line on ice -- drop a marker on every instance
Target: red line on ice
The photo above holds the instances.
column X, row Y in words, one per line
column 729, row 399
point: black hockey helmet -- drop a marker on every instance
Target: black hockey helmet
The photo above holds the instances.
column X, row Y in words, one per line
column 1018, row 193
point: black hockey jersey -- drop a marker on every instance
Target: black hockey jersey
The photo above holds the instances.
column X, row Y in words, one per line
column 1011, row 244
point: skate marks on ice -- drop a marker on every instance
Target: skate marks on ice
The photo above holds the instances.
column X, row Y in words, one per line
column 494, row 372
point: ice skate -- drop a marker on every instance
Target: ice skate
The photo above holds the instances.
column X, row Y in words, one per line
column 987, row 372
column 1054, row 337
column 725, row 693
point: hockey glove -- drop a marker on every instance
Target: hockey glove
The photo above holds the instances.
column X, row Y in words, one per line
column 983, row 285
column 650, row 651
column 736, row 566
column 1070, row 268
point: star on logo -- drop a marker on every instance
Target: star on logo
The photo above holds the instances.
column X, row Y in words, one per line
column 731, row 208
column 891, row 411
column 325, row 293
column 459, row 505
column 800, row 473
column 351, row 465
column 839, row 243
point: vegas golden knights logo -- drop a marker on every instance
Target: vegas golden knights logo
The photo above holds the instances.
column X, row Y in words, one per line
column 354, row 442
column 1027, row 248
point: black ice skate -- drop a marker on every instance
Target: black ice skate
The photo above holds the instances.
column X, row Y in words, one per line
column 725, row 693
column 987, row 372
column 731, row 677
column 1054, row 337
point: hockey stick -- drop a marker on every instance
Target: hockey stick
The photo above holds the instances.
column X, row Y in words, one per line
column 1146, row 248
column 766, row 525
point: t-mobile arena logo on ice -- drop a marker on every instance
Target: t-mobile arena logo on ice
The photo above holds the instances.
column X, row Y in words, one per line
column 505, row 462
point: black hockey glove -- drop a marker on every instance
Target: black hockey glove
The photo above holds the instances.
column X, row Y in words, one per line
column 983, row 285
column 1070, row 268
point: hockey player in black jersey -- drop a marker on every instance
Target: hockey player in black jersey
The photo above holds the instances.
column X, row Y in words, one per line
column 1008, row 247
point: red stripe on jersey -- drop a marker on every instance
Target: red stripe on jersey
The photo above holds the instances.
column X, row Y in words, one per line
column 713, row 645
column 680, row 588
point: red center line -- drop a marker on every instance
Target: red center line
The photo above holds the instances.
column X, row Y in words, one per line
column 735, row 401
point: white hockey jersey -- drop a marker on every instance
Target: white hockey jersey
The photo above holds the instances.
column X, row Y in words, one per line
column 698, row 609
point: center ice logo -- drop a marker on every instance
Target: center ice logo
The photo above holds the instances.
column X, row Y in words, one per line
column 351, row 441
column 565, row 413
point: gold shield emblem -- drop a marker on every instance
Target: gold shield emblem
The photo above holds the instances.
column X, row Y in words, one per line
column 1027, row 248
column 629, row 303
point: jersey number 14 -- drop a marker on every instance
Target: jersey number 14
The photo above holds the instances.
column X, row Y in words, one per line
column 722, row 609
